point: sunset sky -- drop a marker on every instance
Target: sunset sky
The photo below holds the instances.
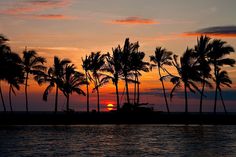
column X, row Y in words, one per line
column 73, row 28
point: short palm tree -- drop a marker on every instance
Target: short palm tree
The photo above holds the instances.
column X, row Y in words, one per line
column 99, row 79
column 219, row 49
column 32, row 64
column 189, row 74
column 201, row 51
column 115, row 70
column 54, row 75
column 161, row 58
column 86, row 65
column 222, row 78
column 71, row 82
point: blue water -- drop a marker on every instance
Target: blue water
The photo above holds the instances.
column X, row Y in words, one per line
column 118, row 140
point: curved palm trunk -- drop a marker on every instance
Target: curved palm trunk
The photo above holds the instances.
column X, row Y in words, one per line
column 67, row 102
column 3, row 102
column 203, row 88
column 56, row 99
column 135, row 86
column 215, row 101
column 87, row 88
column 10, row 89
column 215, row 72
column 127, row 89
column 222, row 100
column 98, row 100
column 186, row 98
column 138, row 95
column 117, row 97
column 164, row 91
column 26, row 93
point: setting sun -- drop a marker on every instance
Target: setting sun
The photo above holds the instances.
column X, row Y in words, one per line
column 110, row 107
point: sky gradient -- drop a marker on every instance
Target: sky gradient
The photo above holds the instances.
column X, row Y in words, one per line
column 73, row 28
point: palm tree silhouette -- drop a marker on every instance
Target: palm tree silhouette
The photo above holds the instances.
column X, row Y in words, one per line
column 162, row 57
column 115, row 69
column 86, row 65
column 54, row 75
column 15, row 75
column 222, row 78
column 217, row 58
column 126, row 52
column 32, row 64
column 4, row 50
column 71, row 82
column 189, row 73
column 201, row 51
column 99, row 79
column 138, row 65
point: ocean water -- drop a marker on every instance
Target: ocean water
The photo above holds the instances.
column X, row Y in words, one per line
column 118, row 140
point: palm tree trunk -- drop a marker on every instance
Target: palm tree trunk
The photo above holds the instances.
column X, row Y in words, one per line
column 222, row 100
column 138, row 95
column 215, row 101
column 10, row 89
column 215, row 72
column 98, row 100
column 203, row 87
column 135, row 85
column 26, row 93
column 117, row 97
column 3, row 102
column 67, row 103
column 164, row 91
column 127, row 89
column 186, row 98
column 87, row 87
column 56, row 99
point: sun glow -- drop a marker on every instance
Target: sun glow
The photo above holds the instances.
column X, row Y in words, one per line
column 110, row 107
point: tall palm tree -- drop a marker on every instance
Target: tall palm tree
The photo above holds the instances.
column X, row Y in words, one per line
column 15, row 75
column 4, row 51
column 71, row 82
column 161, row 58
column 54, row 75
column 32, row 64
column 201, row 51
column 219, row 49
column 86, row 65
column 126, row 52
column 99, row 79
column 115, row 69
column 137, row 65
column 189, row 73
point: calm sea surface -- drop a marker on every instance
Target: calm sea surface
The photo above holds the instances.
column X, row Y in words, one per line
column 118, row 140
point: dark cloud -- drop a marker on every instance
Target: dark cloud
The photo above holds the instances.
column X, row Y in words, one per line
column 223, row 31
column 229, row 95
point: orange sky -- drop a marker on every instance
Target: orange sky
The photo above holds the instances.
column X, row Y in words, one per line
column 71, row 29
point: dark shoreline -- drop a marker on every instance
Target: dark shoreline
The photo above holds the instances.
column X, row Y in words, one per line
column 61, row 118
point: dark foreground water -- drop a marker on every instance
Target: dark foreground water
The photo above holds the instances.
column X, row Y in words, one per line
column 118, row 140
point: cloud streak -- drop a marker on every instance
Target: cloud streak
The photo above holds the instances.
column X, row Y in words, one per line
column 134, row 20
column 217, row 31
column 52, row 17
column 32, row 9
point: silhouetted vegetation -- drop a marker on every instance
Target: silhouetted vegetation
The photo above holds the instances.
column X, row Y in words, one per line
column 161, row 58
column 201, row 65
